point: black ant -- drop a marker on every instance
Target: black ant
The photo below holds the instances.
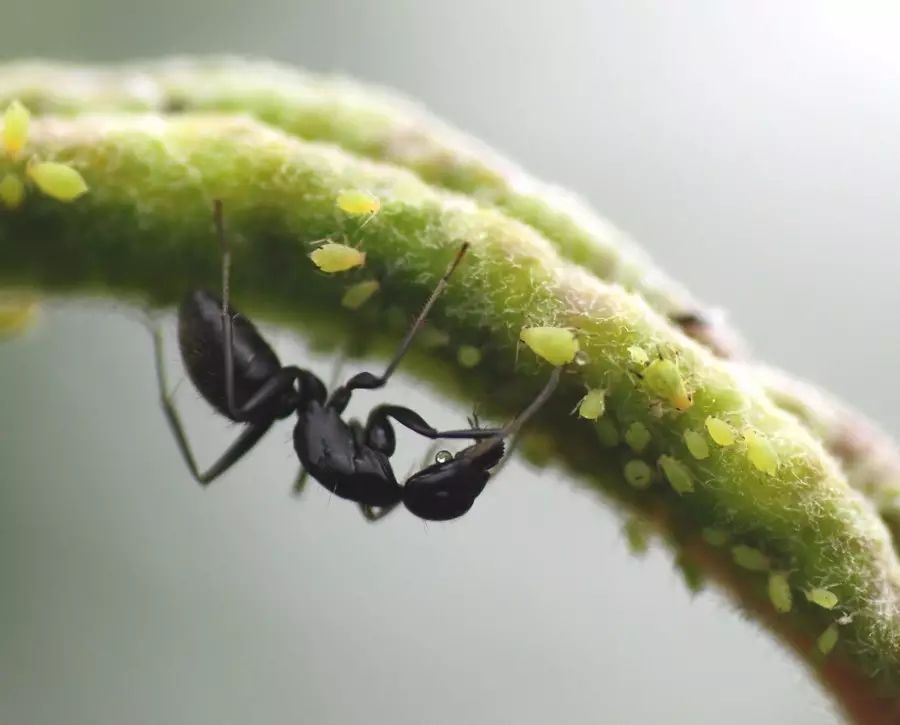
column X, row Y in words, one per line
column 238, row 373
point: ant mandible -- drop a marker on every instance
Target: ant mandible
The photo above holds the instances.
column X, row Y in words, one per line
column 239, row 374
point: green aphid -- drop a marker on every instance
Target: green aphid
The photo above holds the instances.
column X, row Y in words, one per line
column 637, row 533
column 714, row 537
column 356, row 202
column 780, row 592
column 721, row 433
column 58, row 181
column 691, row 574
column 15, row 124
column 677, row 474
column 760, row 452
column 663, row 379
column 696, row 444
column 607, row 432
column 822, row 598
column 17, row 313
column 638, row 356
column 827, row 640
column 638, row 474
column 357, row 295
column 332, row 257
column 12, row 191
column 468, row 356
column 593, row 404
column 749, row 558
column 637, row 436
column 557, row 345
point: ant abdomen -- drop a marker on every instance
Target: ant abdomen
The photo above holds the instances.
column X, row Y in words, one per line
column 201, row 337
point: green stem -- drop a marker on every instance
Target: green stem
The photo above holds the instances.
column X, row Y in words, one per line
column 381, row 126
column 144, row 230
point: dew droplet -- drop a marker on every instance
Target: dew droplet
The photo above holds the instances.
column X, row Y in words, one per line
column 443, row 457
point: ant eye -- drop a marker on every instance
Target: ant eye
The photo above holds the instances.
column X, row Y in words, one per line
column 443, row 457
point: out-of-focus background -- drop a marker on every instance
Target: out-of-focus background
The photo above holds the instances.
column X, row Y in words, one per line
column 753, row 148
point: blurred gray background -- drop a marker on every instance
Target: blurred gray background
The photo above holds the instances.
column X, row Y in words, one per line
column 753, row 148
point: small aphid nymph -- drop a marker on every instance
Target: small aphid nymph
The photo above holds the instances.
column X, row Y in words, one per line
column 828, row 639
column 468, row 356
column 822, row 598
column 58, row 181
column 696, row 444
column 637, row 437
column 780, row 592
column 16, row 120
column 638, row 474
column 677, row 474
column 358, row 294
column 12, row 191
column 593, row 404
column 358, row 203
column 663, row 379
column 332, row 257
column 721, row 433
column 760, row 452
column 637, row 532
column 750, row 558
column 638, row 356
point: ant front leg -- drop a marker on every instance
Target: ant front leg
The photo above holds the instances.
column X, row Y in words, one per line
column 380, row 433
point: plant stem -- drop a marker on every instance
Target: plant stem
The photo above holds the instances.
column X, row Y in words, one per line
column 144, row 230
column 379, row 125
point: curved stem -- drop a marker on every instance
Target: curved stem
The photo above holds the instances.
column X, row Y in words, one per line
column 377, row 124
column 144, row 229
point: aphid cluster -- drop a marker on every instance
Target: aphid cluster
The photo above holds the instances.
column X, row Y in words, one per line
column 236, row 371
column 57, row 180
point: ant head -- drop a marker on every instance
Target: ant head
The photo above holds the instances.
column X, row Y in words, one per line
column 448, row 487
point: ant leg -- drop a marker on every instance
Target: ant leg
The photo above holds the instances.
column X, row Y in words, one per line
column 380, row 432
column 240, row 447
column 227, row 323
column 369, row 381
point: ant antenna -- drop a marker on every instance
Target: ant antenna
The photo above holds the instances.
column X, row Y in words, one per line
column 521, row 419
column 219, row 224
column 416, row 326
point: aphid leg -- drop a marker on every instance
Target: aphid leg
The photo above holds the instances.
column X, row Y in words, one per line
column 367, row 380
column 240, row 447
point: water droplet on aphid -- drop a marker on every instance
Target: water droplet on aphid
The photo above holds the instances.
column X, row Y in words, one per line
column 581, row 358
column 443, row 457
